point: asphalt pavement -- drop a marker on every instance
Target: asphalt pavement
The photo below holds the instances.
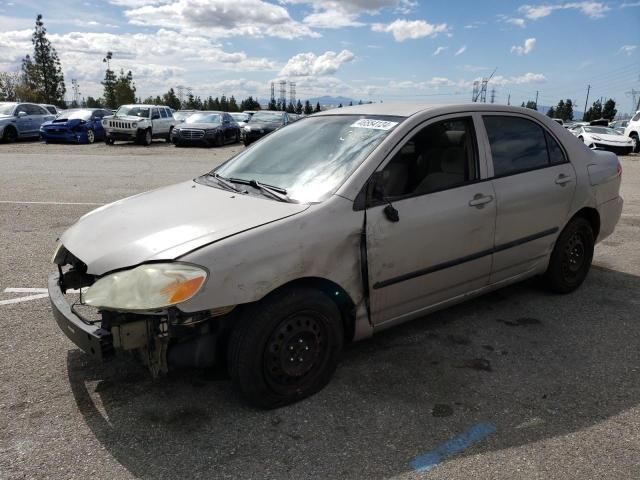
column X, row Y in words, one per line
column 518, row 384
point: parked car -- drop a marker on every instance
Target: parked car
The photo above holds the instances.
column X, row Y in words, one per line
column 52, row 109
column 240, row 118
column 21, row 120
column 262, row 123
column 619, row 125
column 206, row 128
column 603, row 138
column 139, row 123
column 315, row 236
column 181, row 115
column 82, row 125
column 632, row 130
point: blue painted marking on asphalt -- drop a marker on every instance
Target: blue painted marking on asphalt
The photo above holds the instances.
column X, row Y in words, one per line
column 457, row 444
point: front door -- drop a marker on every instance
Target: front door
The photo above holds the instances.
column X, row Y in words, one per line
column 430, row 239
column 534, row 184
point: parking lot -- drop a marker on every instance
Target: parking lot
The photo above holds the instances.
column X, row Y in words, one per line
column 516, row 384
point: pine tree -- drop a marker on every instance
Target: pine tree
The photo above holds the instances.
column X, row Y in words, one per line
column 568, row 110
column 532, row 105
column 109, row 85
column 93, row 102
column 318, row 109
column 308, row 109
column 594, row 112
column 299, row 107
column 273, row 105
column 551, row 112
column 609, row 110
column 560, row 109
column 124, row 90
column 233, row 106
column 351, row 104
column 42, row 73
column 170, row 99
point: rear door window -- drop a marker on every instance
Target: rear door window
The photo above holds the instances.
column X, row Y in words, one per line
column 163, row 112
column 517, row 144
column 556, row 155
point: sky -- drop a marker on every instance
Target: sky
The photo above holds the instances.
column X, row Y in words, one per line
column 379, row 50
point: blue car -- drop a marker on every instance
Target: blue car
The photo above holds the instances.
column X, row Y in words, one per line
column 21, row 120
column 82, row 125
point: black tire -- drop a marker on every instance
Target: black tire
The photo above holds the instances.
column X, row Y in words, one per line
column 237, row 140
column 302, row 324
column 109, row 141
column 571, row 257
column 636, row 147
column 219, row 140
column 168, row 139
column 247, row 143
column 10, row 135
column 91, row 136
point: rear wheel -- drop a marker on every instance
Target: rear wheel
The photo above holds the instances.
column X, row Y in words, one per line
column 9, row 135
column 91, row 136
column 219, row 140
column 286, row 347
column 571, row 257
column 109, row 140
column 145, row 137
column 636, row 143
column 168, row 139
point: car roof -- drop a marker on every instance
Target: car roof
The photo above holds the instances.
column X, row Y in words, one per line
column 405, row 109
column 142, row 105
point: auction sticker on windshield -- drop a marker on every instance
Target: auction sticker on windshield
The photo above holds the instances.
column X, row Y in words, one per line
column 374, row 124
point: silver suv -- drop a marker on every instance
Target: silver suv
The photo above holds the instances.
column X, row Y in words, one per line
column 633, row 131
column 140, row 123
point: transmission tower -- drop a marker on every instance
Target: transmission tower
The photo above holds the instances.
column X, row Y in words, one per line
column 493, row 95
column 283, row 92
column 180, row 89
column 292, row 93
column 76, row 91
column 635, row 99
column 476, row 89
column 482, row 94
column 273, row 92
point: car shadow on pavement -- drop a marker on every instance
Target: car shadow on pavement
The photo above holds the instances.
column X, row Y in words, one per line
column 533, row 364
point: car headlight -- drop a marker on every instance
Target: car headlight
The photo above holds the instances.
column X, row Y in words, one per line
column 134, row 125
column 147, row 287
column 596, row 138
column 247, row 128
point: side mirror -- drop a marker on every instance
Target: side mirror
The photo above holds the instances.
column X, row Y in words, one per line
column 22, row 114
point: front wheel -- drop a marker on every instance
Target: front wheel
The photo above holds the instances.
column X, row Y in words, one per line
column 286, row 347
column 571, row 257
column 10, row 135
column 145, row 138
column 91, row 136
column 168, row 139
column 109, row 141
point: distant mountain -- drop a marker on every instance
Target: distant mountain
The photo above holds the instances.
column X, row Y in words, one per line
column 327, row 100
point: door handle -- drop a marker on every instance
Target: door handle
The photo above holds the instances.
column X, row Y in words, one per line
column 563, row 179
column 479, row 200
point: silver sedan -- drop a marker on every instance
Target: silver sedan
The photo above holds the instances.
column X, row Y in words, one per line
column 330, row 230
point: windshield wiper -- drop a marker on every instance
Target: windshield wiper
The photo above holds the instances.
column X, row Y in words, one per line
column 278, row 193
column 225, row 182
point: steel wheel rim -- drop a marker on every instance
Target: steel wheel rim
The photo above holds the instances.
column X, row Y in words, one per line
column 90, row 136
column 296, row 350
column 575, row 254
column 147, row 137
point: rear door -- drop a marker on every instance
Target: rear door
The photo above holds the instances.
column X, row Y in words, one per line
column 431, row 237
column 534, row 184
column 24, row 121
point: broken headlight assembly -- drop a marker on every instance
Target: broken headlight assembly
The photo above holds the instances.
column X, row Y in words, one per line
column 150, row 286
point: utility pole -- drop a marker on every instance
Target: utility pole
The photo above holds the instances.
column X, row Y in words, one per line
column 493, row 95
column 586, row 102
column 283, row 94
column 273, row 92
column 476, row 90
column 509, row 100
column 107, row 60
column 292, row 93
column 536, row 99
column 76, row 91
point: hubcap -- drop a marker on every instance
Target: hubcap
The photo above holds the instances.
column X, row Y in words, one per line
column 148, row 137
column 574, row 255
column 296, row 346
column 90, row 136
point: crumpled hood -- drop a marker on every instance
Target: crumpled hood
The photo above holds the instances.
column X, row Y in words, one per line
column 70, row 123
column 166, row 223
column 127, row 118
column 611, row 138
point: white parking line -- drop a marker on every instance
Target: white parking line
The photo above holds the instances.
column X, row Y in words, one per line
column 632, row 215
column 25, row 290
column 24, row 299
column 11, row 202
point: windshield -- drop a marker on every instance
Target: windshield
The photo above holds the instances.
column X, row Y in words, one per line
column 73, row 114
column 240, row 117
column 7, row 108
column 601, row 130
column 266, row 117
column 132, row 111
column 313, row 157
column 204, row 118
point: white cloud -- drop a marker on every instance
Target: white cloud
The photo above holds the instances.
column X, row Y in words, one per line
column 439, row 50
column 410, row 29
column 592, row 9
column 310, row 64
column 627, row 49
column 474, row 68
column 518, row 22
column 461, row 50
column 627, row 5
column 519, row 79
column 220, row 18
column 529, row 45
column 158, row 60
